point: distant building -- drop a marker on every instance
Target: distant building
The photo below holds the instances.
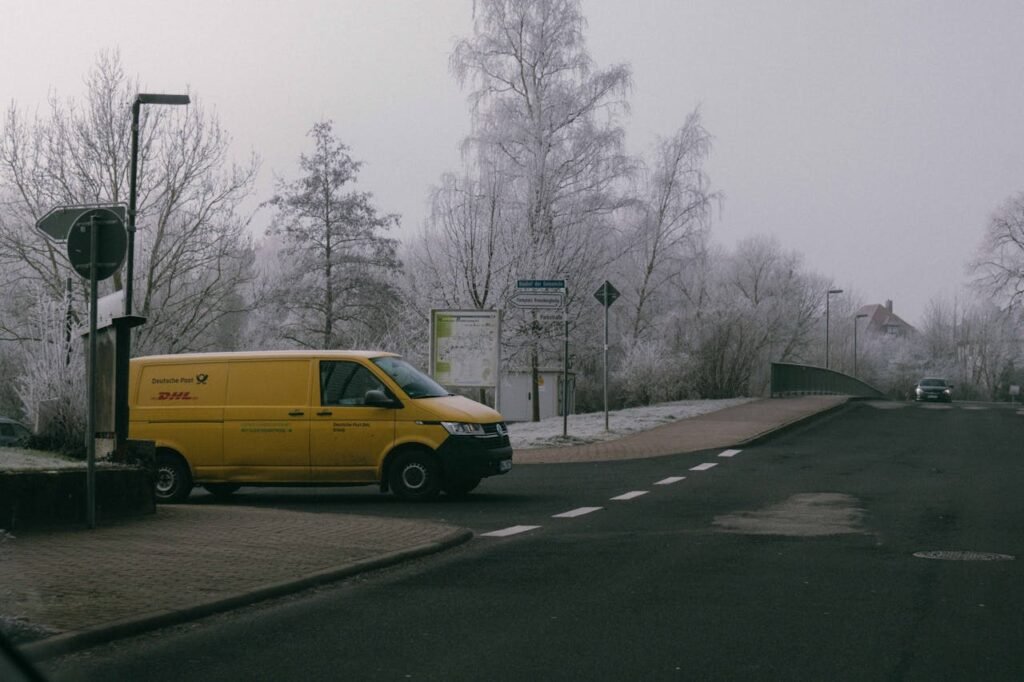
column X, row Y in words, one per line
column 883, row 321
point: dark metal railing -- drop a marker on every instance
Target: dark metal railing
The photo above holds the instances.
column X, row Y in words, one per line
column 790, row 379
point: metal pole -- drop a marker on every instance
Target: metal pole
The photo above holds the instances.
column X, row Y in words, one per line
column 828, row 298
column 855, row 346
column 90, row 429
column 606, row 360
column 565, row 381
column 129, row 285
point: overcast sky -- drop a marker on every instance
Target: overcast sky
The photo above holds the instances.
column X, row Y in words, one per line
column 873, row 136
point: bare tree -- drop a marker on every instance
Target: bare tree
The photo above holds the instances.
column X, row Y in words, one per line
column 194, row 253
column 338, row 270
column 464, row 247
column 538, row 100
column 999, row 266
column 549, row 119
column 672, row 217
column 50, row 383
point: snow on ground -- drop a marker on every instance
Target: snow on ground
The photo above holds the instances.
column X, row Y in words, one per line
column 589, row 428
column 583, row 428
column 22, row 459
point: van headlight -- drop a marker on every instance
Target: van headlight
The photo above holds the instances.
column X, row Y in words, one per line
column 463, row 429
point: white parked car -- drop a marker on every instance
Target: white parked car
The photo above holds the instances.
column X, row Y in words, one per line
column 12, row 432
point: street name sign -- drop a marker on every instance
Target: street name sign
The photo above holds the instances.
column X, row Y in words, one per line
column 540, row 284
column 548, row 300
column 551, row 316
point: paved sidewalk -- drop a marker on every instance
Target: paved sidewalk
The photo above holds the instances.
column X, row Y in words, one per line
column 69, row 589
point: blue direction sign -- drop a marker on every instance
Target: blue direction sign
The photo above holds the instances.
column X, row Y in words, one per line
column 540, row 284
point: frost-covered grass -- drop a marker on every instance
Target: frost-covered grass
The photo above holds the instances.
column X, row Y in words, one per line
column 589, row 428
column 22, row 459
column 583, row 428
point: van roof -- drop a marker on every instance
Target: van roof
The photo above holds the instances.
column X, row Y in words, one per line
column 265, row 355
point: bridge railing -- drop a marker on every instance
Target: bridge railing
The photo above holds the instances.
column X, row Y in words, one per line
column 790, row 379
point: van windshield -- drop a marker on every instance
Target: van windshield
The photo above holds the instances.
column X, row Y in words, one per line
column 415, row 383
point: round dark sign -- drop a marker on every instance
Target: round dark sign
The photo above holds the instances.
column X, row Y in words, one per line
column 111, row 243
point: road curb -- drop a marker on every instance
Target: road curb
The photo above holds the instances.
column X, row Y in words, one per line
column 782, row 429
column 69, row 642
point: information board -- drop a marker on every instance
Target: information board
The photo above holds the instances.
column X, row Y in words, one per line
column 464, row 347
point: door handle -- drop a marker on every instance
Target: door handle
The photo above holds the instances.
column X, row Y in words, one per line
column 296, row 413
column 325, row 413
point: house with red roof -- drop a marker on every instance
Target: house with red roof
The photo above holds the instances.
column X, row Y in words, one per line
column 883, row 321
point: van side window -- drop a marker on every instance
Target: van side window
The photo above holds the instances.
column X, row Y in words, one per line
column 346, row 383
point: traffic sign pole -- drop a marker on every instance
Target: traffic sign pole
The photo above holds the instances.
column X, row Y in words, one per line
column 606, row 294
column 90, row 429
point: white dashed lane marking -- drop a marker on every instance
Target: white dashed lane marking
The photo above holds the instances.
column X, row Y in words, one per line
column 630, row 495
column 576, row 512
column 511, row 530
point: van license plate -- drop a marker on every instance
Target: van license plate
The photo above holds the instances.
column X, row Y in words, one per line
column 505, row 465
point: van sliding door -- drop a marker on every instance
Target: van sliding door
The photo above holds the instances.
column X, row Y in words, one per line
column 266, row 421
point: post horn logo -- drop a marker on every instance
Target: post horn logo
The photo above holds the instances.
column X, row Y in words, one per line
column 202, row 378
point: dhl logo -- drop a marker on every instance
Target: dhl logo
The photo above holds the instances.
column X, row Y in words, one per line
column 176, row 395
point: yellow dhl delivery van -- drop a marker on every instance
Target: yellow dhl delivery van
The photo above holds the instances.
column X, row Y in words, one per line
column 224, row 420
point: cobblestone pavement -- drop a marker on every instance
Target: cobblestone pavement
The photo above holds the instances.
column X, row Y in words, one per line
column 66, row 589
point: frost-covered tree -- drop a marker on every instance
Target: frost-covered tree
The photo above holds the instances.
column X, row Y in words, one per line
column 999, row 266
column 671, row 220
column 51, row 382
column 193, row 253
column 337, row 270
column 546, row 126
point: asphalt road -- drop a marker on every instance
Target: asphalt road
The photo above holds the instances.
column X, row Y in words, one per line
column 790, row 560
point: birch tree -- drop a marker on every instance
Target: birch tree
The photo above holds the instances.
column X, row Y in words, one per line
column 338, row 285
column 550, row 119
column 671, row 220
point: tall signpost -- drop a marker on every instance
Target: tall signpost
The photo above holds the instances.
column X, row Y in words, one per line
column 129, row 320
column 546, row 297
column 96, row 245
column 606, row 295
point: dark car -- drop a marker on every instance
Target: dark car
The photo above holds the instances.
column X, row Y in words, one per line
column 934, row 389
column 12, row 433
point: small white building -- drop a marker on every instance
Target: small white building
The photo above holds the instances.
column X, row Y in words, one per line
column 517, row 399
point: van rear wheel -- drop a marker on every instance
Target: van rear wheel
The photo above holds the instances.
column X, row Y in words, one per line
column 173, row 478
column 415, row 475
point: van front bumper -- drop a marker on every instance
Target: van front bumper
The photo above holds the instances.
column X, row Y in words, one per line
column 469, row 457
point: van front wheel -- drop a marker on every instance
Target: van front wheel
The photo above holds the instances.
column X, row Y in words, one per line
column 414, row 475
column 173, row 479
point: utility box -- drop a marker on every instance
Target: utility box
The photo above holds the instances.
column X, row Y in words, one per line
column 517, row 399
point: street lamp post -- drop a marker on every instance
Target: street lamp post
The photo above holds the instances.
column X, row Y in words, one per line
column 140, row 99
column 124, row 341
column 855, row 318
column 828, row 298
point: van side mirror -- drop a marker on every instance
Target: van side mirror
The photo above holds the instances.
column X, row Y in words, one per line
column 377, row 398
